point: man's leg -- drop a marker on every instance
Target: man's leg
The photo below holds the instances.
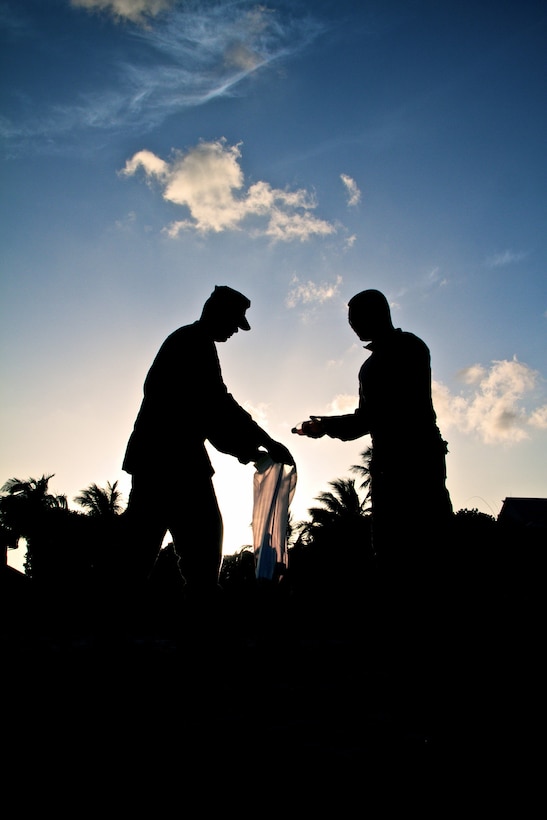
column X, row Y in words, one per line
column 144, row 528
column 124, row 566
column 195, row 522
column 196, row 527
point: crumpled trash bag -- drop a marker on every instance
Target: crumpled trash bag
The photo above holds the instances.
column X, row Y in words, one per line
column 273, row 490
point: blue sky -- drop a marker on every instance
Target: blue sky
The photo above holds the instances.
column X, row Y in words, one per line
column 300, row 152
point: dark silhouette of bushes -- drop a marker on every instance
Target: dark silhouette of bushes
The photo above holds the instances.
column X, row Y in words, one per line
column 492, row 572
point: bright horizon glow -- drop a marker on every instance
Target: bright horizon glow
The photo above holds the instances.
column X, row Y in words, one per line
column 300, row 153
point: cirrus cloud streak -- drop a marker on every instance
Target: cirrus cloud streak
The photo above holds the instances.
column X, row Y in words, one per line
column 187, row 55
column 352, row 190
column 136, row 11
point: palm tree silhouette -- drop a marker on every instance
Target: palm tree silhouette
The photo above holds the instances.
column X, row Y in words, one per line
column 363, row 470
column 341, row 509
column 339, row 530
column 27, row 510
column 24, row 503
column 101, row 502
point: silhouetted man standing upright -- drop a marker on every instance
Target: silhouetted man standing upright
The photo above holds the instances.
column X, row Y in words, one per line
column 410, row 502
column 186, row 403
column 411, row 507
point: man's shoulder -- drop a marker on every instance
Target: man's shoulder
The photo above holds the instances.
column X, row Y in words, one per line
column 187, row 334
column 410, row 340
column 184, row 340
column 192, row 329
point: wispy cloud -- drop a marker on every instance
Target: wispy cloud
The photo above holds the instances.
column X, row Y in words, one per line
column 427, row 282
column 501, row 260
column 188, row 55
column 208, row 182
column 342, row 404
column 492, row 404
column 353, row 192
column 310, row 293
column 136, row 11
column 14, row 22
column 435, row 279
column 259, row 412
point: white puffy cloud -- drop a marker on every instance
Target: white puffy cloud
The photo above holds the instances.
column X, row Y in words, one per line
column 342, row 404
column 473, row 374
column 493, row 408
column 205, row 180
column 208, row 181
column 538, row 418
column 136, row 11
column 353, row 192
column 152, row 165
column 493, row 411
column 287, row 226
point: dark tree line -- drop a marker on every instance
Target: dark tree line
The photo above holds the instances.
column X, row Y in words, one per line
column 71, row 555
column 60, row 542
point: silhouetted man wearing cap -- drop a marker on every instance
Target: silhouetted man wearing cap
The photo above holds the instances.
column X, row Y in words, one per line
column 186, row 403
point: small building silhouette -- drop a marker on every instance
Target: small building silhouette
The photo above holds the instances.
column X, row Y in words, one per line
column 530, row 513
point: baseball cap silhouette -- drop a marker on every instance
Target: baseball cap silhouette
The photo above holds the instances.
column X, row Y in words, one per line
column 227, row 300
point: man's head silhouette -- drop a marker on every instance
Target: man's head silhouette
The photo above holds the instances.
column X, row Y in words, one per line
column 369, row 314
column 228, row 304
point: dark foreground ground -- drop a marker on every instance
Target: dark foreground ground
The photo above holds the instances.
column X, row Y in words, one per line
column 255, row 705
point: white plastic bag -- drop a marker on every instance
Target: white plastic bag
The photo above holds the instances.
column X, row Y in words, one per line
column 273, row 489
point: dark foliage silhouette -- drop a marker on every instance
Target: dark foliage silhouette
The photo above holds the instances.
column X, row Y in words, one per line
column 68, row 554
column 330, row 561
column 363, row 471
column 318, row 634
column 101, row 502
column 24, row 508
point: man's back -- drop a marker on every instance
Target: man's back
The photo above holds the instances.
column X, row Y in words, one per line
column 395, row 389
column 178, row 392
